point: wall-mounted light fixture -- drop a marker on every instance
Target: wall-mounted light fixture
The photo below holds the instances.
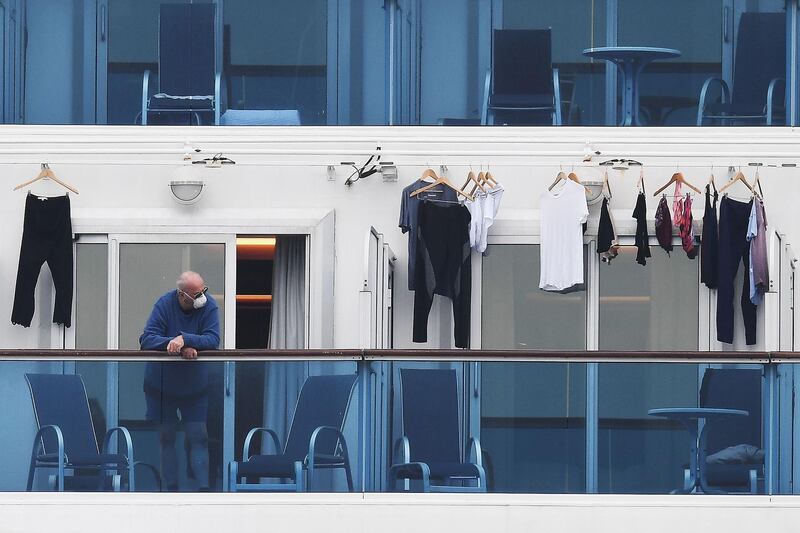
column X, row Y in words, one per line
column 186, row 192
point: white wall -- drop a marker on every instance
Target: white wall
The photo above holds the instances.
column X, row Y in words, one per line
column 354, row 513
column 525, row 160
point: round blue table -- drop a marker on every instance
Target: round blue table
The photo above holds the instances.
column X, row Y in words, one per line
column 630, row 60
column 690, row 418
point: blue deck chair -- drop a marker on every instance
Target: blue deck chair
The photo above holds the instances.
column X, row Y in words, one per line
column 759, row 73
column 731, row 388
column 315, row 441
column 522, row 79
column 66, row 439
column 430, row 449
column 188, row 83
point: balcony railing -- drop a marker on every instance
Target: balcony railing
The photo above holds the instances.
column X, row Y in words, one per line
column 522, row 421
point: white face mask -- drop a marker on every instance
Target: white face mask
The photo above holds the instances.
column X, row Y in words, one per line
column 200, row 302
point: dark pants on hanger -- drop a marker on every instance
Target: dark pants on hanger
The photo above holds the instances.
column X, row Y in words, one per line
column 444, row 267
column 734, row 248
column 46, row 236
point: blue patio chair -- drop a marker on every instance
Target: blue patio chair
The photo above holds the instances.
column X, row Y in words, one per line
column 759, row 84
column 315, row 441
column 189, row 85
column 430, row 449
column 733, row 388
column 522, row 79
column 66, row 441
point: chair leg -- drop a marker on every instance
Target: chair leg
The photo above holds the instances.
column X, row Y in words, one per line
column 32, row 469
column 233, row 471
column 349, row 476
column 298, row 477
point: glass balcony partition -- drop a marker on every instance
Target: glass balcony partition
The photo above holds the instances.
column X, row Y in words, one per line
column 668, row 422
column 398, row 62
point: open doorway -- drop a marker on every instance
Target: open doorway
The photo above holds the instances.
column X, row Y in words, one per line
column 271, row 294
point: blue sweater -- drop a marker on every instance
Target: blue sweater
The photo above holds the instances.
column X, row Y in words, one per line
column 200, row 330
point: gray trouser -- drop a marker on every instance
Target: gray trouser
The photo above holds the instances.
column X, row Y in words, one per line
column 196, row 435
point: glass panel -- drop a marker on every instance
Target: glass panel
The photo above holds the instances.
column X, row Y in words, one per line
column 147, row 271
column 576, row 25
column 743, row 43
column 532, row 414
column 91, row 296
column 647, row 452
column 133, row 28
column 91, row 325
column 276, row 59
column 323, row 384
column 650, row 307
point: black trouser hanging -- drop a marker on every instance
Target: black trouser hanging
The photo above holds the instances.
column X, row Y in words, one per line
column 734, row 248
column 46, row 236
column 444, row 267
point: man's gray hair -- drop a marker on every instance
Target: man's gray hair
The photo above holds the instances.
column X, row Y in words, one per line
column 183, row 278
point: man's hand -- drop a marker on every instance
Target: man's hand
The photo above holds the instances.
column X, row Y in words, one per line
column 175, row 345
column 187, row 352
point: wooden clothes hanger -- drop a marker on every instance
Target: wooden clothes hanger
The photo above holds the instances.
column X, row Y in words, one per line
column 47, row 173
column 607, row 185
column 440, row 180
column 739, row 177
column 560, row 176
column 477, row 184
column 677, row 178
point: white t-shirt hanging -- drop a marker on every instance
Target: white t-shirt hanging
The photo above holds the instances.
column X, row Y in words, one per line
column 491, row 205
column 562, row 212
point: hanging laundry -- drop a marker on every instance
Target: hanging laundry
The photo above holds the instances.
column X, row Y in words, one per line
column 443, row 266
column 677, row 205
column 642, row 239
column 562, row 213
column 607, row 245
column 664, row 225
column 475, row 208
column 685, row 226
column 490, row 207
column 46, row 236
column 709, row 244
column 734, row 248
column 409, row 207
column 759, row 269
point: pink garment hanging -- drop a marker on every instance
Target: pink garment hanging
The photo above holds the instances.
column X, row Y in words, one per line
column 686, row 227
column 677, row 205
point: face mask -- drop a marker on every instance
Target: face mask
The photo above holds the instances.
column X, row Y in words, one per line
column 200, row 302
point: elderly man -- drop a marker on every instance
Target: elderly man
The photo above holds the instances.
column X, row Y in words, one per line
column 183, row 322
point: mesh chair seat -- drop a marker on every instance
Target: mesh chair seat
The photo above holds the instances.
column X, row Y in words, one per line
column 735, row 109
column 281, row 465
column 521, row 101
column 167, row 102
column 78, row 460
column 438, row 471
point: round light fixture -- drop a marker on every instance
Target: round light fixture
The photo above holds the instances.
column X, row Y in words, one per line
column 186, row 192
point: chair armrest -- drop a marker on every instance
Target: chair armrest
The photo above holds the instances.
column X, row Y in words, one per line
column 556, row 98
column 312, row 443
column 406, row 450
column 128, row 441
column 59, row 438
column 251, row 434
column 474, row 449
column 217, row 100
column 701, row 106
column 424, row 469
column 771, row 96
column 145, row 95
column 487, row 87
